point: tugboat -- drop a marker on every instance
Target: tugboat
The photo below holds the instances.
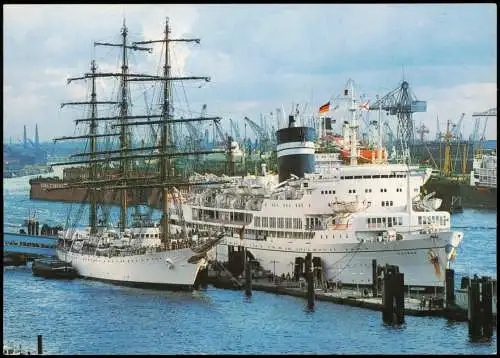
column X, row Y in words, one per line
column 53, row 268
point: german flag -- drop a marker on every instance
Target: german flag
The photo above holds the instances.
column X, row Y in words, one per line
column 324, row 108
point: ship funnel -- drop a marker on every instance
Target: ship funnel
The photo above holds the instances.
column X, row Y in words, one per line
column 295, row 150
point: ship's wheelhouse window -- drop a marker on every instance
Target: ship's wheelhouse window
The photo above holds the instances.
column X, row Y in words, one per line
column 349, row 191
column 384, row 176
column 342, row 177
column 349, row 177
column 357, row 177
column 383, row 203
column 367, row 176
column 322, row 192
column 375, row 176
column 389, row 221
column 354, row 191
column 391, row 203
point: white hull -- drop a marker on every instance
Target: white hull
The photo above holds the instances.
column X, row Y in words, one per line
column 351, row 263
column 159, row 269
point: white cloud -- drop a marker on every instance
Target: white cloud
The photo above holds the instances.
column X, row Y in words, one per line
column 258, row 56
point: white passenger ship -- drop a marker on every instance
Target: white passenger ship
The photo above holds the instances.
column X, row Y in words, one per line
column 345, row 215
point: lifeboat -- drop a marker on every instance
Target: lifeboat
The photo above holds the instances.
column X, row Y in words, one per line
column 365, row 155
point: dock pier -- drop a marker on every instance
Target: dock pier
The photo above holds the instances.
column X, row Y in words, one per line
column 412, row 302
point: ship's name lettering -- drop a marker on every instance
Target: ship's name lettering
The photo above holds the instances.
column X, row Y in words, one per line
column 52, row 185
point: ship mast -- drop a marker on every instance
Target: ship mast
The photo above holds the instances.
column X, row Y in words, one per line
column 93, row 144
column 123, row 117
column 166, row 125
column 353, row 128
column 165, row 122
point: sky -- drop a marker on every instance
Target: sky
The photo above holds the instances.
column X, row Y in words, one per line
column 259, row 57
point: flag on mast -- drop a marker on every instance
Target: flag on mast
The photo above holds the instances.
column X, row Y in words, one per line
column 324, row 108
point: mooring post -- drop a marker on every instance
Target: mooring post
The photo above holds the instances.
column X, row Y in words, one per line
column 400, row 298
column 310, row 282
column 387, row 309
column 393, row 296
column 374, row 278
column 39, row 344
column 449, row 287
column 248, row 276
column 474, row 312
column 487, row 307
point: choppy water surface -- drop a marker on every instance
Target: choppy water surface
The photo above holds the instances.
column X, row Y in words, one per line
column 87, row 317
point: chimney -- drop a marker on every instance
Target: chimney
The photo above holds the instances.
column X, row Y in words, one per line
column 36, row 136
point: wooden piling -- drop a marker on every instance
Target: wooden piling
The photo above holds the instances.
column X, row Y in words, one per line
column 248, row 276
column 374, row 278
column 449, row 287
column 310, row 282
column 474, row 311
column 393, row 296
column 39, row 344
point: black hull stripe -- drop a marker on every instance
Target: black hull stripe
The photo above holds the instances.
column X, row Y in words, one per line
column 297, row 164
column 295, row 134
column 147, row 285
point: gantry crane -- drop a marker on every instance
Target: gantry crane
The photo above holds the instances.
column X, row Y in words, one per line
column 401, row 103
column 478, row 141
column 235, row 132
column 422, row 131
column 220, row 134
column 260, row 133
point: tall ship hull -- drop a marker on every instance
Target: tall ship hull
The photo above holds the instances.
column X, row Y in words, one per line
column 141, row 253
column 159, row 270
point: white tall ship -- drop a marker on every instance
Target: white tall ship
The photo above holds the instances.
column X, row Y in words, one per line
column 143, row 254
column 345, row 215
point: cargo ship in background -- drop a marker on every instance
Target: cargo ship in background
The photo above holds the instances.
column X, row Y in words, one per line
column 465, row 171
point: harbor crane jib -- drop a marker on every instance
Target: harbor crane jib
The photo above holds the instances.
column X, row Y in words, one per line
column 401, row 103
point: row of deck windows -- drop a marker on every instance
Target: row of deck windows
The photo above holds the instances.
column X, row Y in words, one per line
column 30, row 244
column 374, row 176
column 382, row 222
column 434, row 219
column 280, row 223
column 387, row 203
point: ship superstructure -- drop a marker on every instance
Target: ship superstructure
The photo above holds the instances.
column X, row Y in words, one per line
column 345, row 215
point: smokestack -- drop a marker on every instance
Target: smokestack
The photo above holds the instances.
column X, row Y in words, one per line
column 36, row 136
column 25, row 140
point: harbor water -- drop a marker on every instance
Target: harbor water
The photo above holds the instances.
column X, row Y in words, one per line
column 88, row 317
